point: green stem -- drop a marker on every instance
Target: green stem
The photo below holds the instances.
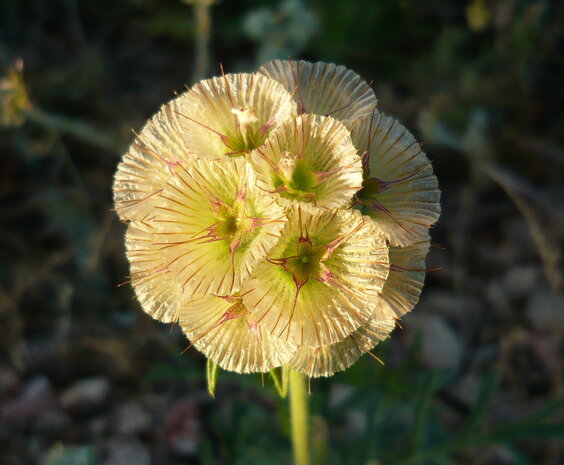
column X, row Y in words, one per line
column 202, row 13
column 74, row 127
column 299, row 418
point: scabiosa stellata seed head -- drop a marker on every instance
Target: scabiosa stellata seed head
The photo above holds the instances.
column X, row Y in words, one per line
column 324, row 89
column 326, row 360
column 209, row 226
column 309, row 159
column 322, row 279
column 278, row 217
column 398, row 296
column 400, row 191
column 245, row 347
column 231, row 115
column 218, row 118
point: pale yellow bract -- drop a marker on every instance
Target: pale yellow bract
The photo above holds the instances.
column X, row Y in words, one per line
column 278, row 217
column 322, row 279
column 309, row 159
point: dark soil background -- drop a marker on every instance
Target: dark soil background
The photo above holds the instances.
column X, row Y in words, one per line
column 474, row 376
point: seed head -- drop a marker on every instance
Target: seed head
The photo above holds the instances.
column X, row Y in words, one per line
column 278, row 217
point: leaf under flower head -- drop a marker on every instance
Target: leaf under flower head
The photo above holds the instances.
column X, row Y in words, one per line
column 321, row 280
column 232, row 114
column 223, row 329
column 309, row 159
column 400, row 190
column 328, row 359
column 324, row 88
column 211, row 225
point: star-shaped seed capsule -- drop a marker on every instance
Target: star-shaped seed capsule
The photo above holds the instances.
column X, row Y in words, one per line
column 321, row 280
column 309, row 159
column 209, row 228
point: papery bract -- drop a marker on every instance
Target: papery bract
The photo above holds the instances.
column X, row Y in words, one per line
column 223, row 329
column 400, row 191
column 321, row 280
column 324, row 88
column 309, row 159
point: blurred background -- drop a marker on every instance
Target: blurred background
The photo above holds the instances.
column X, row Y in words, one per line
column 475, row 374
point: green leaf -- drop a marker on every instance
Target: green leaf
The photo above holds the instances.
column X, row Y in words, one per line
column 280, row 377
column 212, row 371
column 488, row 388
column 423, row 410
column 518, row 430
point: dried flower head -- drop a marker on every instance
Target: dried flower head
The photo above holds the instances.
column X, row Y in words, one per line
column 309, row 159
column 232, row 114
column 278, row 217
column 400, row 191
column 245, row 347
column 324, row 89
column 322, row 279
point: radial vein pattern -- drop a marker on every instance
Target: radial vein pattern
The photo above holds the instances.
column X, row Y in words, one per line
column 400, row 190
column 321, row 280
column 222, row 328
column 309, row 159
column 324, row 88
column 211, row 226
column 278, row 217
